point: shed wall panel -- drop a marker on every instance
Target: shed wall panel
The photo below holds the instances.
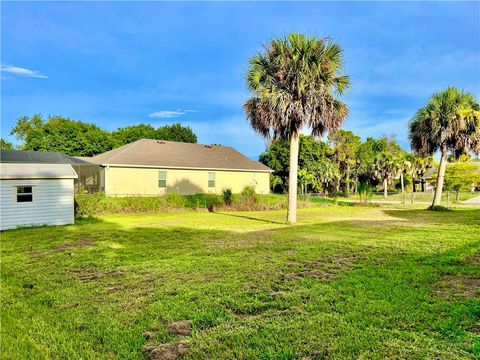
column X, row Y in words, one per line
column 53, row 203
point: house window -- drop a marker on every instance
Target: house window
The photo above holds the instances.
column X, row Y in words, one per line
column 211, row 179
column 24, row 194
column 162, row 179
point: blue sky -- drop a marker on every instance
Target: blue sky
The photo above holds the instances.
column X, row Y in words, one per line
column 117, row 64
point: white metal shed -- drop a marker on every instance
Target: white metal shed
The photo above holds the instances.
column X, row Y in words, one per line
column 36, row 194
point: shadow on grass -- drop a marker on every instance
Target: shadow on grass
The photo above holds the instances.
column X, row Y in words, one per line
column 251, row 218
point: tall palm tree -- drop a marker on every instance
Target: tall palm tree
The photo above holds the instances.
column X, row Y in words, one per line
column 405, row 166
column 295, row 82
column 386, row 167
column 326, row 172
column 450, row 122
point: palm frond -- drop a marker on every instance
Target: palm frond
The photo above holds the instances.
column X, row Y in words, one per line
column 294, row 83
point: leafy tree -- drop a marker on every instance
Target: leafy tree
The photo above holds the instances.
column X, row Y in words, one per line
column 311, row 151
column 295, row 82
column 345, row 146
column 5, row 145
column 276, row 158
column 61, row 135
column 129, row 134
column 453, row 157
column 76, row 138
column 176, row 132
column 25, row 126
column 450, row 122
column 461, row 176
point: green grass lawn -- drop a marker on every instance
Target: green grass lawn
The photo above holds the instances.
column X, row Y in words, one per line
column 345, row 283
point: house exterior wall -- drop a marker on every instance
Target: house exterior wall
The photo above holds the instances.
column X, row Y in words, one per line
column 144, row 181
column 52, row 203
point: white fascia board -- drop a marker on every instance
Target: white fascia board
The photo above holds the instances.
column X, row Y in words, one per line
column 182, row 168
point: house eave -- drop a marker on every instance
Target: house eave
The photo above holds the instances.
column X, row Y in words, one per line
column 184, row 168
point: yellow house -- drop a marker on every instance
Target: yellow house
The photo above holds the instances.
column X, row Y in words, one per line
column 155, row 167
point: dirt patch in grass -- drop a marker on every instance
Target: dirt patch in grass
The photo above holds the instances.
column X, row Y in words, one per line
column 474, row 259
column 261, row 299
column 166, row 351
column 83, row 242
column 457, row 286
column 324, row 268
column 183, row 327
column 149, row 335
column 92, row 274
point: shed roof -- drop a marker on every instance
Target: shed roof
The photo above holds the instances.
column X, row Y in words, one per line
column 171, row 154
column 10, row 171
column 39, row 157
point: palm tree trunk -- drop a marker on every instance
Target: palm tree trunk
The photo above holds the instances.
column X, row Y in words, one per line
column 292, row 180
column 347, row 181
column 437, row 198
column 385, row 188
column 401, row 180
column 414, row 182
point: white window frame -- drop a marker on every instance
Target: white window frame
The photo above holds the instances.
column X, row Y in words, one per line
column 214, row 180
column 160, row 179
column 16, row 193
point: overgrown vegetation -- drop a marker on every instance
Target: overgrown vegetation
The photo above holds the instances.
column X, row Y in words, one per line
column 345, row 283
column 87, row 205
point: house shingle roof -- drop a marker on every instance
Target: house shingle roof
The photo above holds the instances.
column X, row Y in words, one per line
column 171, row 154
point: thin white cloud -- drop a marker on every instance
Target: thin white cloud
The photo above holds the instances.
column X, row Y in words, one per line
column 166, row 114
column 23, row 72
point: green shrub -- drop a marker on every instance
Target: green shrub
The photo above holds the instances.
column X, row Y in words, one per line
column 213, row 202
column 365, row 192
column 175, row 200
column 227, row 197
column 87, row 205
column 249, row 196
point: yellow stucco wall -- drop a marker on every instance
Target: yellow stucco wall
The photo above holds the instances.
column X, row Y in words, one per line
column 144, row 181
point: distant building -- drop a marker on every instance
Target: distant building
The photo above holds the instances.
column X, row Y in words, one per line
column 155, row 167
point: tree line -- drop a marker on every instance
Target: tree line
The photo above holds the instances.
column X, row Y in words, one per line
column 297, row 82
column 341, row 163
column 76, row 138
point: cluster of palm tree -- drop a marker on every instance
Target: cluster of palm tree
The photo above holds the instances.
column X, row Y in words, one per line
column 296, row 83
column 449, row 123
